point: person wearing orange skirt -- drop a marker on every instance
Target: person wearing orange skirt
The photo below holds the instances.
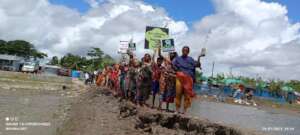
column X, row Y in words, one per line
column 115, row 80
column 100, row 79
column 185, row 67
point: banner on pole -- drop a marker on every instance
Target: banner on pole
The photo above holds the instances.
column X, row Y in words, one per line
column 154, row 35
column 167, row 45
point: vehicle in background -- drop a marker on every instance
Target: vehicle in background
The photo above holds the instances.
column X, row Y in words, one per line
column 64, row 72
column 50, row 70
column 31, row 67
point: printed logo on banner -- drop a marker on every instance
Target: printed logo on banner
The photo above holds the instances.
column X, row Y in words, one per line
column 132, row 46
column 154, row 35
column 167, row 45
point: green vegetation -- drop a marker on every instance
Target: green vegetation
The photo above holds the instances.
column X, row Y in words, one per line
column 20, row 48
column 95, row 59
column 295, row 84
column 54, row 61
column 276, row 87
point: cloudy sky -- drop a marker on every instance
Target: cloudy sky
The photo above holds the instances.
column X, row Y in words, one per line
column 250, row 37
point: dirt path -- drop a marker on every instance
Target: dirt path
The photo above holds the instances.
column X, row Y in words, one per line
column 35, row 112
column 98, row 113
column 33, row 107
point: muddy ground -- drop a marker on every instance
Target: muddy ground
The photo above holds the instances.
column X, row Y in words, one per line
column 99, row 113
column 35, row 104
column 96, row 114
column 42, row 105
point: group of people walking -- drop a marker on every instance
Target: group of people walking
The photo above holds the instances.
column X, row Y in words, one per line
column 168, row 78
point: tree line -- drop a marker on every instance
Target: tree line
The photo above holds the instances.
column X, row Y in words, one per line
column 20, row 48
column 94, row 59
column 274, row 86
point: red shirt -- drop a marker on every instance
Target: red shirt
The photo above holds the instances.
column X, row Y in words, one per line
column 156, row 72
column 114, row 74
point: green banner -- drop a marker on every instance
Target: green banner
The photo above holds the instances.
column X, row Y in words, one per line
column 154, row 35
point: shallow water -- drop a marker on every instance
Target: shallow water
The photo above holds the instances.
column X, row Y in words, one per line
column 269, row 122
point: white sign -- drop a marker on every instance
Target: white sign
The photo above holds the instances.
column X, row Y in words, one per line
column 123, row 47
column 203, row 52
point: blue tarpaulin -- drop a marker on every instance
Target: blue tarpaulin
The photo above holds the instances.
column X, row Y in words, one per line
column 228, row 91
column 75, row 74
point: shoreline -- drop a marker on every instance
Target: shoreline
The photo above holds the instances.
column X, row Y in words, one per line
column 261, row 104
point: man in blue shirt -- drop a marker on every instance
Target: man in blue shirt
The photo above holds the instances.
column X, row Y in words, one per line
column 185, row 77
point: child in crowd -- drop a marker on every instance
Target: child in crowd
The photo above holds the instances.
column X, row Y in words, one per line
column 156, row 76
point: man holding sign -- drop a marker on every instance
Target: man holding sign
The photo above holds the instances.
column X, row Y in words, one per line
column 185, row 67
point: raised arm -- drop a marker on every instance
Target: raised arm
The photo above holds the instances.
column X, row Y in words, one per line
column 130, row 57
column 153, row 57
column 174, row 64
column 198, row 63
column 159, row 52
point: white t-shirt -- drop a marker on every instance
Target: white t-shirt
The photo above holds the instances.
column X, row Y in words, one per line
column 87, row 76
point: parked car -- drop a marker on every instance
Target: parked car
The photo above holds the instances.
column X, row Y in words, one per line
column 64, row 72
column 31, row 67
column 50, row 69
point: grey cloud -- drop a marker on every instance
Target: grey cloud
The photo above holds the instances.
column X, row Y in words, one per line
column 251, row 36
